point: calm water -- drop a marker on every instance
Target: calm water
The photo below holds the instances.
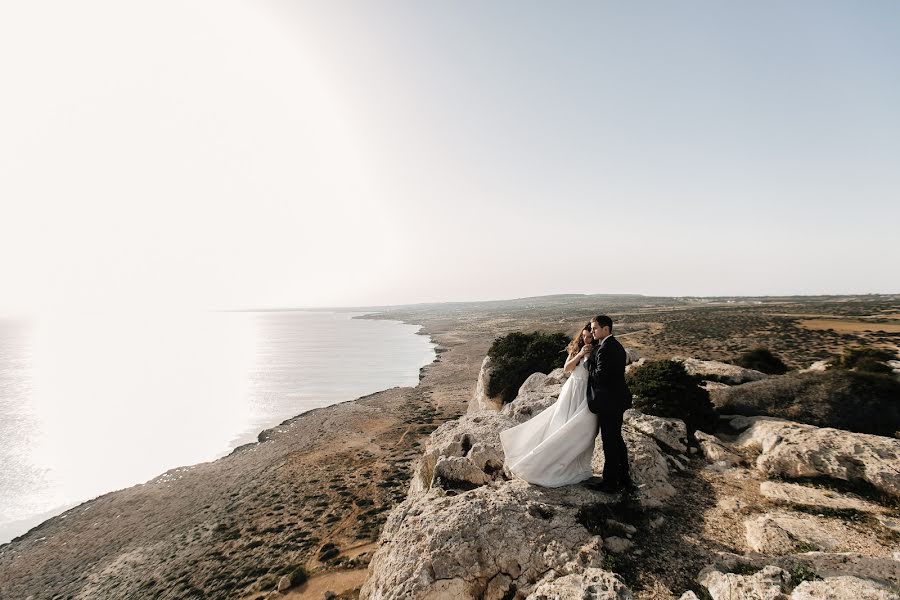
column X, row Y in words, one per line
column 93, row 404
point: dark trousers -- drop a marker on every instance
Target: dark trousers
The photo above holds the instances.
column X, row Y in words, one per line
column 615, row 453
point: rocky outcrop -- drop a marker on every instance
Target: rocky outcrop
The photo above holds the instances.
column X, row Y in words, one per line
column 537, row 393
column 881, row 571
column 486, row 543
column 647, row 466
column 480, row 400
column 795, row 450
column 462, row 454
column 719, row 371
column 592, row 584
column 770, row 583
column 468, row 529
column 791, row 494
column 843, row 588
column 670, row 432
column 716, row 451
column 820, row 366
column 783, row 533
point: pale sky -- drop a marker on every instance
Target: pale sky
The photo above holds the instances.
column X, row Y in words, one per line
column 228, row 154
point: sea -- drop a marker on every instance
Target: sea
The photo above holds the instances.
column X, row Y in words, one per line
column 94, row 403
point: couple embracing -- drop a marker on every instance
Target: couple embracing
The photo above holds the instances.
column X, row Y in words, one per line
column 555, row 447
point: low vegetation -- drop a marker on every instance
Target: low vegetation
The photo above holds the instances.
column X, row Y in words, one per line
column 665, row 389
column 517, row 355
column 762, row 359
column 858, row 401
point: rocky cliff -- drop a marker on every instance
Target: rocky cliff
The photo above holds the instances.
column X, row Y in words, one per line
column 713, row 517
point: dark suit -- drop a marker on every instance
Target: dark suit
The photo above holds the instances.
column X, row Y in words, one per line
column 608, row 397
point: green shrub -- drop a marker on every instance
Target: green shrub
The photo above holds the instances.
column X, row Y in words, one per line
column 851, row 400
column 869, row 360
column 516, row 356
column 663, row 388
column 761, row 359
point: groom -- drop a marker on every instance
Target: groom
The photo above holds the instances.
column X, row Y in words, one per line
column 608, row 397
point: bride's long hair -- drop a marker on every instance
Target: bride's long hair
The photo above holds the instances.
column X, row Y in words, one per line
column 577, row 342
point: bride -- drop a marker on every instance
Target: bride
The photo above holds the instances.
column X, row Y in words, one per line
column 555, row 447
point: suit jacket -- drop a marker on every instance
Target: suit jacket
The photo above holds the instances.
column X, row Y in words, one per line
column 607, row 392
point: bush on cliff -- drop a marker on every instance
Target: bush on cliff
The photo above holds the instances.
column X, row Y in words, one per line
column 517, row 355
column 665, row 389
column 763, row 360
column 849, row 400
column 869, row 360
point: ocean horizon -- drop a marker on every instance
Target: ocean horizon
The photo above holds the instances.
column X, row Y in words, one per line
column 96, row 403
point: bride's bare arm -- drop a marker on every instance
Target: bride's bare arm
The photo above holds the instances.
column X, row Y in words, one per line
column 572, row 361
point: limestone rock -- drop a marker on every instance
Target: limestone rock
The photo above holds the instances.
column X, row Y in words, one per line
column 537, row 393
column 284, row 583
column 895, row 366
column 671, row 432
column 474, row 437
column 481, row 401
column 714, row 450
column 458, row 472
column 556, row 377
column 635, row 365
column 646, row 464
column 624, row 528
column 881, row 569
column 889, row 523
column 713, row 385
column 779, row 533
column 732, row 374
column 592, row 584
column 631, row 356
column 688, row 595
column 796, row 450
column 436, row 546
column 817, row 367
column 617, row 545
column 799, row 495
column 770, row 583
column 843, row 588
column 527, row 405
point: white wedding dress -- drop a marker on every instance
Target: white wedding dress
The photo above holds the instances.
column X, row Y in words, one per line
column 555, row 447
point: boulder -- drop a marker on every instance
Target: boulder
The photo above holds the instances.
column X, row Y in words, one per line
column 482, row 542
column 883, row 570
column 617, row 545
column 714, row 450
column 769, row 583
column 780, row 533
column 843, row 588
column 629, row 367
column 592, row 584
column 719, row 371
column 670, row 432
column 819, row 366
column 795, row 450
column 647, row 466
column 537, row 393
column 481, row 401
column 800, row 495
column 474, row 438
column 527, row 405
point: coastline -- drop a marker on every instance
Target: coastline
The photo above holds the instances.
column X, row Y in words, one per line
column 158, row 509
column 242, row 440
